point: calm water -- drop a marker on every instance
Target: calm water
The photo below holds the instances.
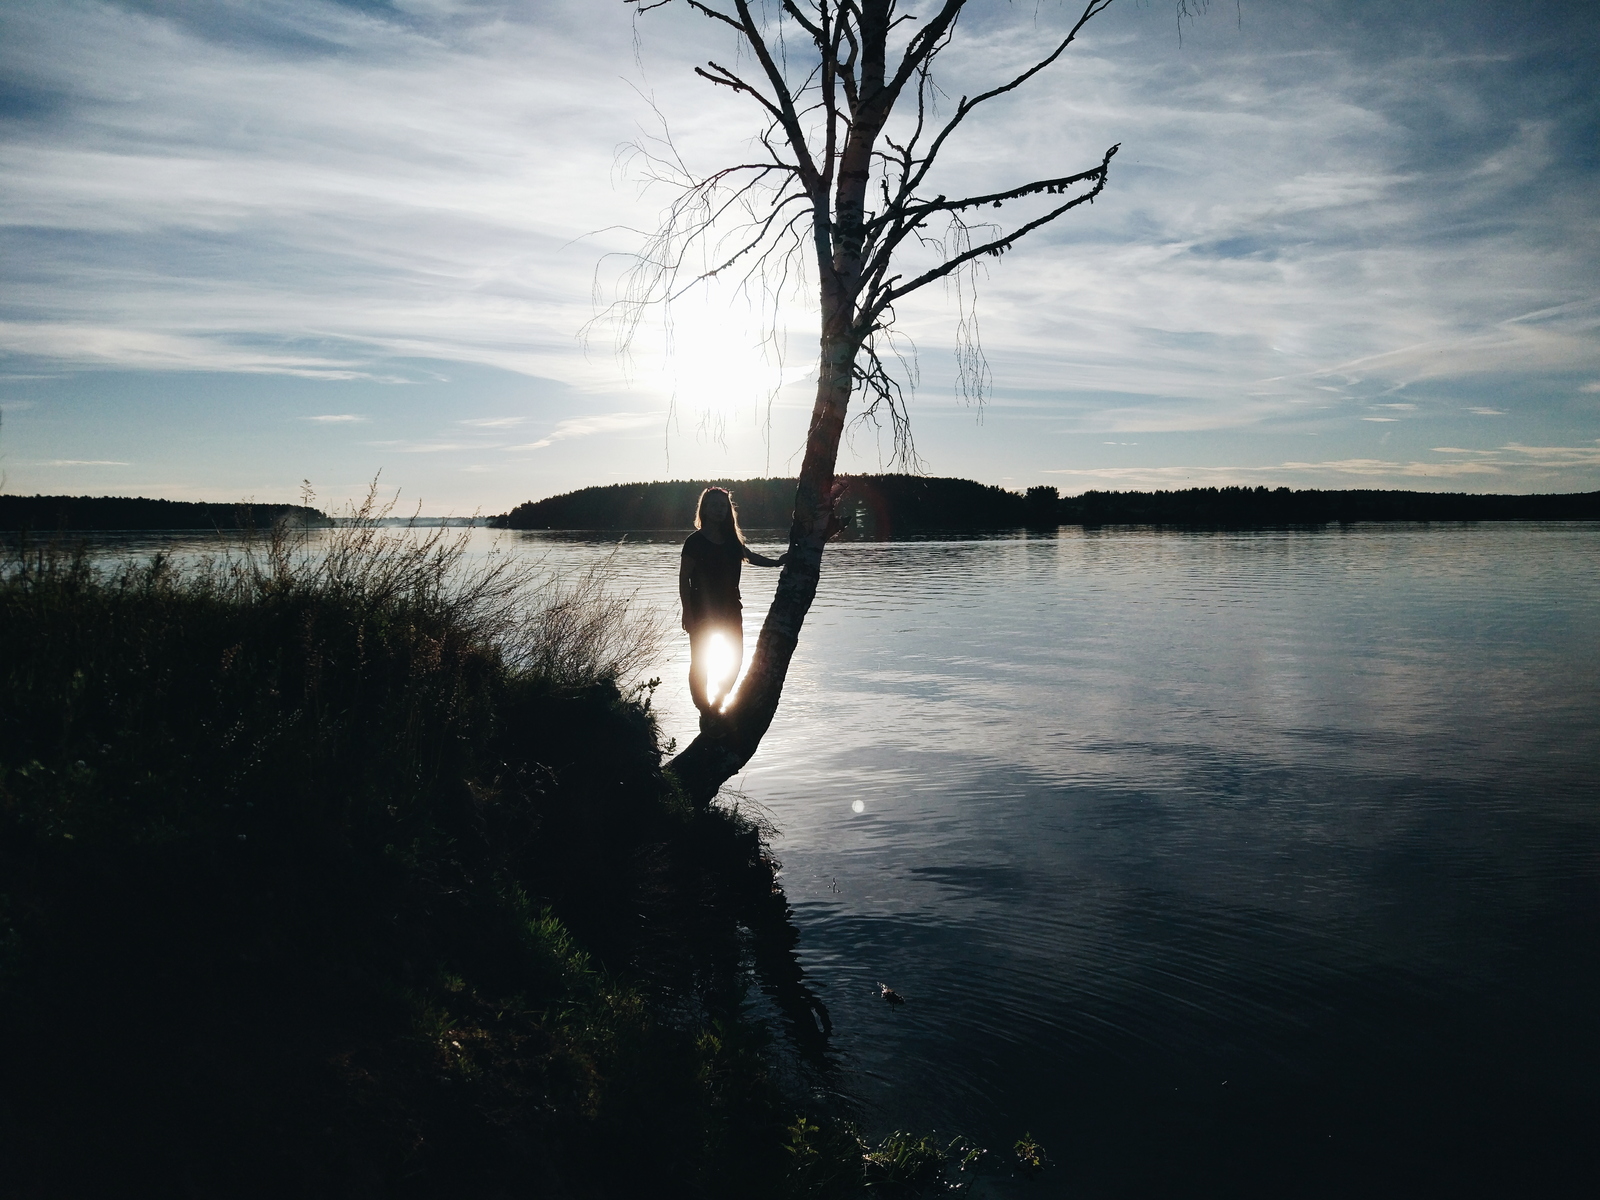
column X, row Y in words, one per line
column 1260, row 863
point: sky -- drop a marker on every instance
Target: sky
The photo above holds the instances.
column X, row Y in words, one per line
column 248, row 246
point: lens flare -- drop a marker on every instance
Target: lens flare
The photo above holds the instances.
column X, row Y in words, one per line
column 721, row 664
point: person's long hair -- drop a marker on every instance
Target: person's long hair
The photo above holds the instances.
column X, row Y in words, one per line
column 732, row 528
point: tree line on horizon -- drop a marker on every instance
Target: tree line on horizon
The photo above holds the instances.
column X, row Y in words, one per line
column 898, row 505
column 873, row 507
column 50, row 514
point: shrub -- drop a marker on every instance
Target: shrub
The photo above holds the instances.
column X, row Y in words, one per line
column 325, row 869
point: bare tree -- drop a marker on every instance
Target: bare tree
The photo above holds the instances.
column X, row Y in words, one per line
column 838, row 182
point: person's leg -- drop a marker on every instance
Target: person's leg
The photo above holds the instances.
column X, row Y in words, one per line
column 699, row 659
column 736, row 640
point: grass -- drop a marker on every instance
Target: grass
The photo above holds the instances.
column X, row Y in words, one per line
column 349, row 868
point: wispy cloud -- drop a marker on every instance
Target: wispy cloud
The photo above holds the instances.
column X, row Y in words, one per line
column 82, row 343
column 577, row 427
column 78, row 462
column 1511, row 465
column 337, row 419
column 399, row 447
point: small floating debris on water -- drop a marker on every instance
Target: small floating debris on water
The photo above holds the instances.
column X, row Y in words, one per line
column 889, row 994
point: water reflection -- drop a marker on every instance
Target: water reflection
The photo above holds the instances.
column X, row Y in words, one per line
column 1227, row 864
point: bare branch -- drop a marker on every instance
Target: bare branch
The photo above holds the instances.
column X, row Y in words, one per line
column 728, row 79
column 885, row 399
column 706, row 9
column 813, row 177
column 915, row 213
column 1000, row 245
column 818, row 34
column 1091, row 10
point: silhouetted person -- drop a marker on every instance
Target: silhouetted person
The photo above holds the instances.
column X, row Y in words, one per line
column 708, row 585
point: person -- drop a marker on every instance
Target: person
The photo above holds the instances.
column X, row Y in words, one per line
column 708, row 585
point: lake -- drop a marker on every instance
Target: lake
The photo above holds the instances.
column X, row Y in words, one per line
column 1224, row 863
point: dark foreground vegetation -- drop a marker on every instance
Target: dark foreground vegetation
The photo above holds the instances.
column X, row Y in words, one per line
column 887, row 506
column 48, row 514
column 357, row 874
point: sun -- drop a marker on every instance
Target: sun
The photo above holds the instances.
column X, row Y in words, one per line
column 718, row 360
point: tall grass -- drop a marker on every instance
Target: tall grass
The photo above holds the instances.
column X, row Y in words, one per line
column 344, row 865
column 571, row 628
column 333, row 847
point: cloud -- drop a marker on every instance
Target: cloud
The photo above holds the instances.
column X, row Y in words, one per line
column 428, row 447
column 337, row 418
column 1310, row 217
column 78, row 462
column 1213, row 476
column 1514, row 454
column 577, row 427
column 1511, row 465
column 98, row 345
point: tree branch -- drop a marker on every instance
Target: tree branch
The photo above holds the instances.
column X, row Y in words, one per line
column 1000, row 245
column 914, row 214
column 1093, row 9
column 811, row 177
column 817, row 33
column 709, row 11
column 728, row 79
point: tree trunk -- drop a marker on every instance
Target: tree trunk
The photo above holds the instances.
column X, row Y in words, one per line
column 852, row 256
column 721, row 752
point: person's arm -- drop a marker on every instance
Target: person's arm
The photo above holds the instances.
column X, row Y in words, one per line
column 761, row 560
column 686, row 585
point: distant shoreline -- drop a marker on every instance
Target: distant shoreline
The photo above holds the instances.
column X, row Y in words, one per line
column 49, row 515
column 875, row 507
column 893, row 506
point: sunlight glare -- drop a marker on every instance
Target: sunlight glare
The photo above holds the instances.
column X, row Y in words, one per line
column 720, row 665
column 717, row 365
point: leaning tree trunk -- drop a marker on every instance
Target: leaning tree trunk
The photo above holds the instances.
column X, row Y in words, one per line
column 854, row 254
column 840, row 239
column 721, row 751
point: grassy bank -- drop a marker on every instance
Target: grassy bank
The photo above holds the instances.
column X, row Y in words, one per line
column 356, row 874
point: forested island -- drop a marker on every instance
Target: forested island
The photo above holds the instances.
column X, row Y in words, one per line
column 888, row 506
column 85, row 514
